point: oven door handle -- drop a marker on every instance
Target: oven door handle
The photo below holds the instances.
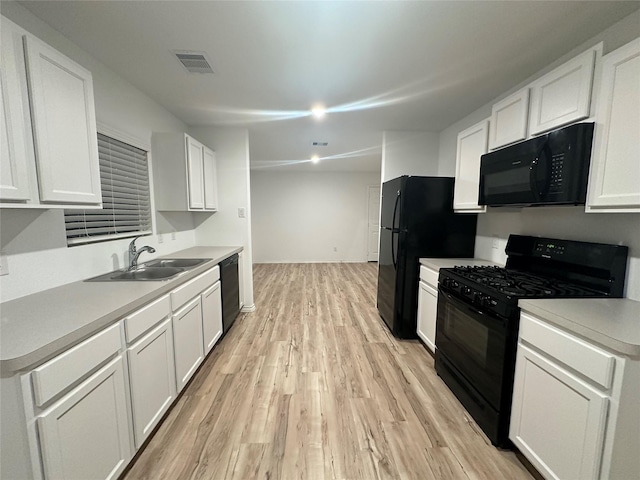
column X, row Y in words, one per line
column 465, row 306
column 460, row 303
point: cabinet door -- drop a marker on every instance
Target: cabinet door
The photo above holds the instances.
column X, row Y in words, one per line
column 195, row 174
column 152, row 377
column 210, row 180
column 557, row 420
column 187, row 341
column 615, row 168
column 472, row 144
column 427, row 312
column 509, row 120
column 64, row 126
column 86, row 434
column 563, row 95
column 16, row 147
column 211, row 316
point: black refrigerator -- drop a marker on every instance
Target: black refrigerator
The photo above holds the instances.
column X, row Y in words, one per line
column 416, row 220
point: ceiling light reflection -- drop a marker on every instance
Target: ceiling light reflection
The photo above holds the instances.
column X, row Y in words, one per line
column 403, row 94
column 362, row 152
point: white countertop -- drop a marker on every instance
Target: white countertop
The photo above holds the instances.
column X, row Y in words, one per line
column 37, row 327
column 438, row 263
column 613, row 323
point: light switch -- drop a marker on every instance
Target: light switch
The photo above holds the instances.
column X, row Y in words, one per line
column 242, row 212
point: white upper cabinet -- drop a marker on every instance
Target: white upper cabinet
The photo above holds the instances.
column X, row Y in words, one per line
column 509, row 119
column 210, row 181
column 614, row 184
column 16, row 142
column 184, row 173
column 563, row 96
column 50, row 146
column 195, row 169
column 472, row 144
column 64, row 126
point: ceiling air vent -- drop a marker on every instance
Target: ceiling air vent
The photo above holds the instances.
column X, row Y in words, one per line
column 320, row 144
column 194, row 62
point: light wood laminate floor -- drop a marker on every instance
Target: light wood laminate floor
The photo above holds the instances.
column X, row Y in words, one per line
column 313, row 386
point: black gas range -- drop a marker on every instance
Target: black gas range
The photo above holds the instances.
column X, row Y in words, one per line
column 478, row 315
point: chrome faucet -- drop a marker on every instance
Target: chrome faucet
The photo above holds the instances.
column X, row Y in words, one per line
column 134, row 253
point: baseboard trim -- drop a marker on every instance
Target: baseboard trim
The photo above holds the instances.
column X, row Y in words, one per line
column 310, row 261
column 248, row 308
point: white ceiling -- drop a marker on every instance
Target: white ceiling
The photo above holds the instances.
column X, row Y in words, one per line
column 377, row 66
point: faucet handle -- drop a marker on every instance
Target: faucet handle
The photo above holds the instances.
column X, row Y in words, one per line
column 132, row 245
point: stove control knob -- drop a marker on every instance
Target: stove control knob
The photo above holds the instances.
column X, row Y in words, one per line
column 486, row 300
column 454, row 284
column 466, row 290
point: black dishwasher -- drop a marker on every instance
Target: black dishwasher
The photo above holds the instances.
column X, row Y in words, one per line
column 230, row 291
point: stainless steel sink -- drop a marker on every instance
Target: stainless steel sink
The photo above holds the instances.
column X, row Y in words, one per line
column 161, row 269
column 176, row 262
column 140, row 274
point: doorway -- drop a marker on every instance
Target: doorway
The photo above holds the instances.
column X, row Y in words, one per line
column 373, row 231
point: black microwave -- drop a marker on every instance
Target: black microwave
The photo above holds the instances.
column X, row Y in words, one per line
column 551, row 169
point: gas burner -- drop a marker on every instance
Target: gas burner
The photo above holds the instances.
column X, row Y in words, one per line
column 520, row 284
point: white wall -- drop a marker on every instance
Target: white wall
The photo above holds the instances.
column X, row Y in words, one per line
column 302, row 217
column 409, row 153
column 34, row 240
column 555, row 222
column 234, row 191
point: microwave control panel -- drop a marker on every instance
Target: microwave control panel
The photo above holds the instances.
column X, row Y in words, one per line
column 557, row 173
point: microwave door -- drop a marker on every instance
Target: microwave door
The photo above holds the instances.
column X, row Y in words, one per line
column 508, row 181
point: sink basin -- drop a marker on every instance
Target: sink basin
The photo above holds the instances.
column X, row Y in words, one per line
column 140, row 274
column 175, row 262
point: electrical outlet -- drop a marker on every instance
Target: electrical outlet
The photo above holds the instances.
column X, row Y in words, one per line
column 494, row 243
column 173, row 235
column 242, row 212
column 4, row 266
column 160, row 238
column 335, row 249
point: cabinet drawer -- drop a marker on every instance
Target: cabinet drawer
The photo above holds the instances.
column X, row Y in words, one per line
column 142, row 320
column 63, row 371
column 595, row 364
column 186, row 292
column 429, row 276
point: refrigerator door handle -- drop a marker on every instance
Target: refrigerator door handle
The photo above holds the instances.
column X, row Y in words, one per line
column 395, row 210
column 393, row 250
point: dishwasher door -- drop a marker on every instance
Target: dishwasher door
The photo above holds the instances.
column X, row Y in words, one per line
column 230, row 291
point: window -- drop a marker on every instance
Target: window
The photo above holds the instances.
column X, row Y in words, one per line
column 126, row 204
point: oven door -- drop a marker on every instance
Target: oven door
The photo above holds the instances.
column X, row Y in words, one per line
column 475, row 343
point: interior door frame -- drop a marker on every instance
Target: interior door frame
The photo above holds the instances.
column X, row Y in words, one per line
column 373, row 256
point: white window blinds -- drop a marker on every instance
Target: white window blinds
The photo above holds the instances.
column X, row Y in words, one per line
column 126, row 205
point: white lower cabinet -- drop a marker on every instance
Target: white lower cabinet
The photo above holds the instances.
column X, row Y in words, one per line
column 188, row 341
column 152, row 377
column 558, row 419
column 427, row 313
column 85, row 435
column 211, row 316
column 84, row 413
column 575, row 405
